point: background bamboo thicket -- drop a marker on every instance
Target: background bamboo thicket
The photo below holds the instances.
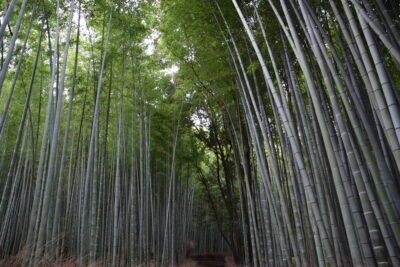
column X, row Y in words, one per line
column 135, row 132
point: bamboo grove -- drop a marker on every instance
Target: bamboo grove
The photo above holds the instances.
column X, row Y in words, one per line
column 267, row 129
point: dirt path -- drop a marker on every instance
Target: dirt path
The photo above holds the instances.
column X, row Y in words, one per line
column 211, row 260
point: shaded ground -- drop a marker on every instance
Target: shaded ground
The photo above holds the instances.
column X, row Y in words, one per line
column 200, row 260
column 210, row 260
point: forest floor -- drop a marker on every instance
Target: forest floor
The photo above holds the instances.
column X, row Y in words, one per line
column 210, row 260
column 199, row 260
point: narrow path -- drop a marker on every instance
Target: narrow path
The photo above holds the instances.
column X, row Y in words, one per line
column 212, row 260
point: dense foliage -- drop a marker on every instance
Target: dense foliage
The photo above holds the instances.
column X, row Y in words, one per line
column 265, row 129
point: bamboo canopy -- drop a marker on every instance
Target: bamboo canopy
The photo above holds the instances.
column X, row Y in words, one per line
column 142, row 133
